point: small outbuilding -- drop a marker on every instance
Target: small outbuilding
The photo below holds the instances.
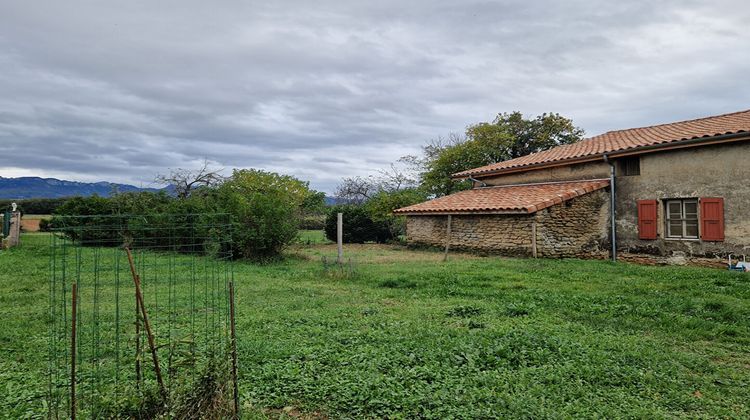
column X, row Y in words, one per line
column 673, row 189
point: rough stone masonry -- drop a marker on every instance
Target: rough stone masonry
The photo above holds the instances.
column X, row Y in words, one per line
column 575, row 228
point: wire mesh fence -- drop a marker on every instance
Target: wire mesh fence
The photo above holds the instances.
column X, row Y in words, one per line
column 150, row 329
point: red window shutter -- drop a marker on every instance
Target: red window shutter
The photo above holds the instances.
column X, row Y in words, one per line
column 647, row 219
column 712, row 219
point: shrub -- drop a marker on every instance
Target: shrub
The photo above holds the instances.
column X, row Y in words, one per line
column 380, row 208
column 358, row 225
column 45, row 225
column 313, row 222
column 266, row 208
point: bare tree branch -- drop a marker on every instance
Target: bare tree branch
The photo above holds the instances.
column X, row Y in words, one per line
column 185, row 181
column 356, row 190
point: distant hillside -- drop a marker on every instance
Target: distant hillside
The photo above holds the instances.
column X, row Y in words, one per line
column 35, row 187
column 334, row 201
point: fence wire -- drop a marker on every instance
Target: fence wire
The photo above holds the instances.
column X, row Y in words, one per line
column 184, row 263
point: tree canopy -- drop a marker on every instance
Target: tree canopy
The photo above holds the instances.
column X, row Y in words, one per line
column 508, row 136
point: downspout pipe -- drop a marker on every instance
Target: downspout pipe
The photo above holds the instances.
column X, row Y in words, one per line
column 612, row 197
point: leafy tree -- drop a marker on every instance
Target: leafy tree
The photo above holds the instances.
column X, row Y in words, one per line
column 508, row 136
column 314, row 203
column 85, row 206
column 380, row 208
column 266, row 207
column 359, row 227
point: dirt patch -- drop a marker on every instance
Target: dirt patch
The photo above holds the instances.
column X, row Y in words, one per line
column 30, row 225
column 644, row 259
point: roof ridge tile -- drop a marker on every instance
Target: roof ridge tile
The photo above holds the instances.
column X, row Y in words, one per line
column 627, row 139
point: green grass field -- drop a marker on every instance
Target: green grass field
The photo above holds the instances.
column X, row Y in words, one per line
column 410, row 336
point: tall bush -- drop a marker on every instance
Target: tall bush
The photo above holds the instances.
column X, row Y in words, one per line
column 267, row 208
column 380, row 207
column 359, row 227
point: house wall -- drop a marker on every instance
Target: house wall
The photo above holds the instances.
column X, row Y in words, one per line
column 711, row 171
column 577, row 228
column 590, row 170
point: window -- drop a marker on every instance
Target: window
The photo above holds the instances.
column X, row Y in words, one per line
column 682, row 218
column 630, row 166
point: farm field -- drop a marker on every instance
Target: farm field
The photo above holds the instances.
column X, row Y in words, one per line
column 406, row 335
column 30, row 222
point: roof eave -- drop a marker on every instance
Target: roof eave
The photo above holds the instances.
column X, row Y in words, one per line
column 681, row 144
column 460, row 213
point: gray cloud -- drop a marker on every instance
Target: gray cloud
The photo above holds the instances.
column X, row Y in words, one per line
column 105, row 91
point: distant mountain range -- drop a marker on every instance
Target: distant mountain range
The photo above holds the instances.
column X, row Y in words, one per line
column 35, row 187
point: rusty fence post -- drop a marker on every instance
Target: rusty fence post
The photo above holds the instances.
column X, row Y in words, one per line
column 138, row 356
column 147, row 326
column 234, row 351
column 73, row 352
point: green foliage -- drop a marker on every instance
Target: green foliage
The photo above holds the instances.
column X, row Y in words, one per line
column 45, row 225
column 310, row 237
column 313, row 222
column 516, row 136
column 398, row 283
column 314, row 203
column 597, row 340
column 381, row 206
column 359, row 226
column 267, row 208
column 85, row 206
column 34, row 205
column 123, row 205
column 464, row 311
column 509, row 136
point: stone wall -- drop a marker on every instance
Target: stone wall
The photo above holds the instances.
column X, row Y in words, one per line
column 491, row 233
column 577, row 228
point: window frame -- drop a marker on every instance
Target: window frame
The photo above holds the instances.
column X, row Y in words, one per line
column 683, row 218
column 630, row 166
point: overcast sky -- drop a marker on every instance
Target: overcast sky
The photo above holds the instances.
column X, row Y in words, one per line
column 121, row 91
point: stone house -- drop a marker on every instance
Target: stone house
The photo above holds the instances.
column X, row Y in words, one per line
column 673, row 189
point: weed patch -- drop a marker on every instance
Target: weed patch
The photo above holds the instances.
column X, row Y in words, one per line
column 398, row 284
column 464, row 311
column 471, row 338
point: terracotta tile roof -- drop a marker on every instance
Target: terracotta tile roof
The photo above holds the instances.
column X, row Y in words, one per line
column 527, row 198
column 623, row 140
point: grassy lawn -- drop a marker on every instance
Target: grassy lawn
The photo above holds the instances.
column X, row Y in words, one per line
column 312, row 237
column 410, row 336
